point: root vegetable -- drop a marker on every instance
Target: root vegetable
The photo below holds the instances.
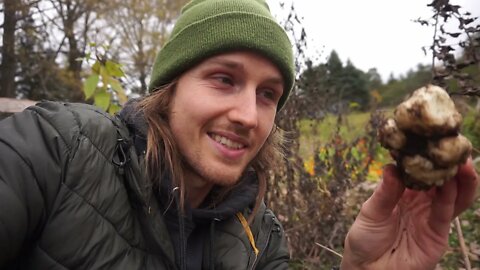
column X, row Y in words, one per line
column 424, row 138
column 391, row 136
column 428, row 112
column 449, row 150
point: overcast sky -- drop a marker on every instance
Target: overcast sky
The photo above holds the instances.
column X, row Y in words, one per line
column 371, row 33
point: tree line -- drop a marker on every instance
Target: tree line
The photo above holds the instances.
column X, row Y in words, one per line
column 337, row 87
column 45, row 43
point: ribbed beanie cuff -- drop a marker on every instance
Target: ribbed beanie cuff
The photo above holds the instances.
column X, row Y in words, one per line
column 210, row 27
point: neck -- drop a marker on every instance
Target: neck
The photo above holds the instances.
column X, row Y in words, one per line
column 196, row 189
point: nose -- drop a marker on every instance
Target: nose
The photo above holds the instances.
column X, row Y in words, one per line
column 244, row 110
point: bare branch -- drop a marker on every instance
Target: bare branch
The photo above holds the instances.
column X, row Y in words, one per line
column 329, row 249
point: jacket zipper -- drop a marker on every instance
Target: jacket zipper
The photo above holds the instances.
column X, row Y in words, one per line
column 257, row 258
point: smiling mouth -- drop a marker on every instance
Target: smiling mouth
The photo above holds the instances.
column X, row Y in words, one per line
column 226, row 142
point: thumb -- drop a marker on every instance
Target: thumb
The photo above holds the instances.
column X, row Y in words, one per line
column 386, row 196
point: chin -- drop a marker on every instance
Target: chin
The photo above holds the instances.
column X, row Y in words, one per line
column 214, row 172
column 220, row 176
column 223, row 179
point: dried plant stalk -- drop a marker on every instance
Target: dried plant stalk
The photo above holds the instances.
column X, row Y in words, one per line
column 463, row 246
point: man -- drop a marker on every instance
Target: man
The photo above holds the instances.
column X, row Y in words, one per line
column 177, row 180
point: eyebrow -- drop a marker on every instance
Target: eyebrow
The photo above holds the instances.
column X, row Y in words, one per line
column 236, row 65
column 227, row 63
column 275, row 80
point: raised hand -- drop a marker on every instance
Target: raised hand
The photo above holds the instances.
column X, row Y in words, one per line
column 404, row 229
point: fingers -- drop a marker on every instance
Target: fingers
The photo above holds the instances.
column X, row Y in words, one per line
column 386, row 196
column 442, row 208
column 453, row 197
column 467, row 182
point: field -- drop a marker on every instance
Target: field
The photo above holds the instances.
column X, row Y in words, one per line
column 314, row 132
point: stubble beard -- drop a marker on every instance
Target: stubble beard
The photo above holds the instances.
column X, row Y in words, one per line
column 199, row 169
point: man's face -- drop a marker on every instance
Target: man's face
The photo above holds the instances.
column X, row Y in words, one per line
column 222, row 113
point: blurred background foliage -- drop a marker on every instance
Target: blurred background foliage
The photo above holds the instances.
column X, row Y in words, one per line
column 102, row 51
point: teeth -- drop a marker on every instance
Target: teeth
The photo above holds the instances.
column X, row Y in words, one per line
column 227, row 142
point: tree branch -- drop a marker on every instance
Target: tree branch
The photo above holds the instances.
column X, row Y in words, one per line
column 437, row 15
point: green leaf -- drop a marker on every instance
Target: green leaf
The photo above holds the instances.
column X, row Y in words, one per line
column 122, row 98
column 102, row 99
column 96, row 67
column 117, row 87
column 92, row 44
column 105, row 76
column 114, row 69
column 90, row 85
column 115, row 84
column 114, row 108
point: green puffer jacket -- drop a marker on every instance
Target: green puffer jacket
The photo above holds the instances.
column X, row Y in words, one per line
column 72, row 196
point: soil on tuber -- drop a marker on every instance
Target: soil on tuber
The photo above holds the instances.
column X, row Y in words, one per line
column 424, row 138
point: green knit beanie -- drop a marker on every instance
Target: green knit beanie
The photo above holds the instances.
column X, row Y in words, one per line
column 209, row 27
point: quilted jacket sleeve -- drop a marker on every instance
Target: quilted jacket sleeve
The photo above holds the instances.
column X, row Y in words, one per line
column 31, row 158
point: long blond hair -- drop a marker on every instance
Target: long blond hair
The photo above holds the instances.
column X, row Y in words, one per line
column 164, row 159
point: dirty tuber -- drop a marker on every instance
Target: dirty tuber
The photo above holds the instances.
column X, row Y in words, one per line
column 424, row 139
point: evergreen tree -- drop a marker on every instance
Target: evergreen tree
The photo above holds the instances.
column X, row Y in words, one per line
column 354, row 87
